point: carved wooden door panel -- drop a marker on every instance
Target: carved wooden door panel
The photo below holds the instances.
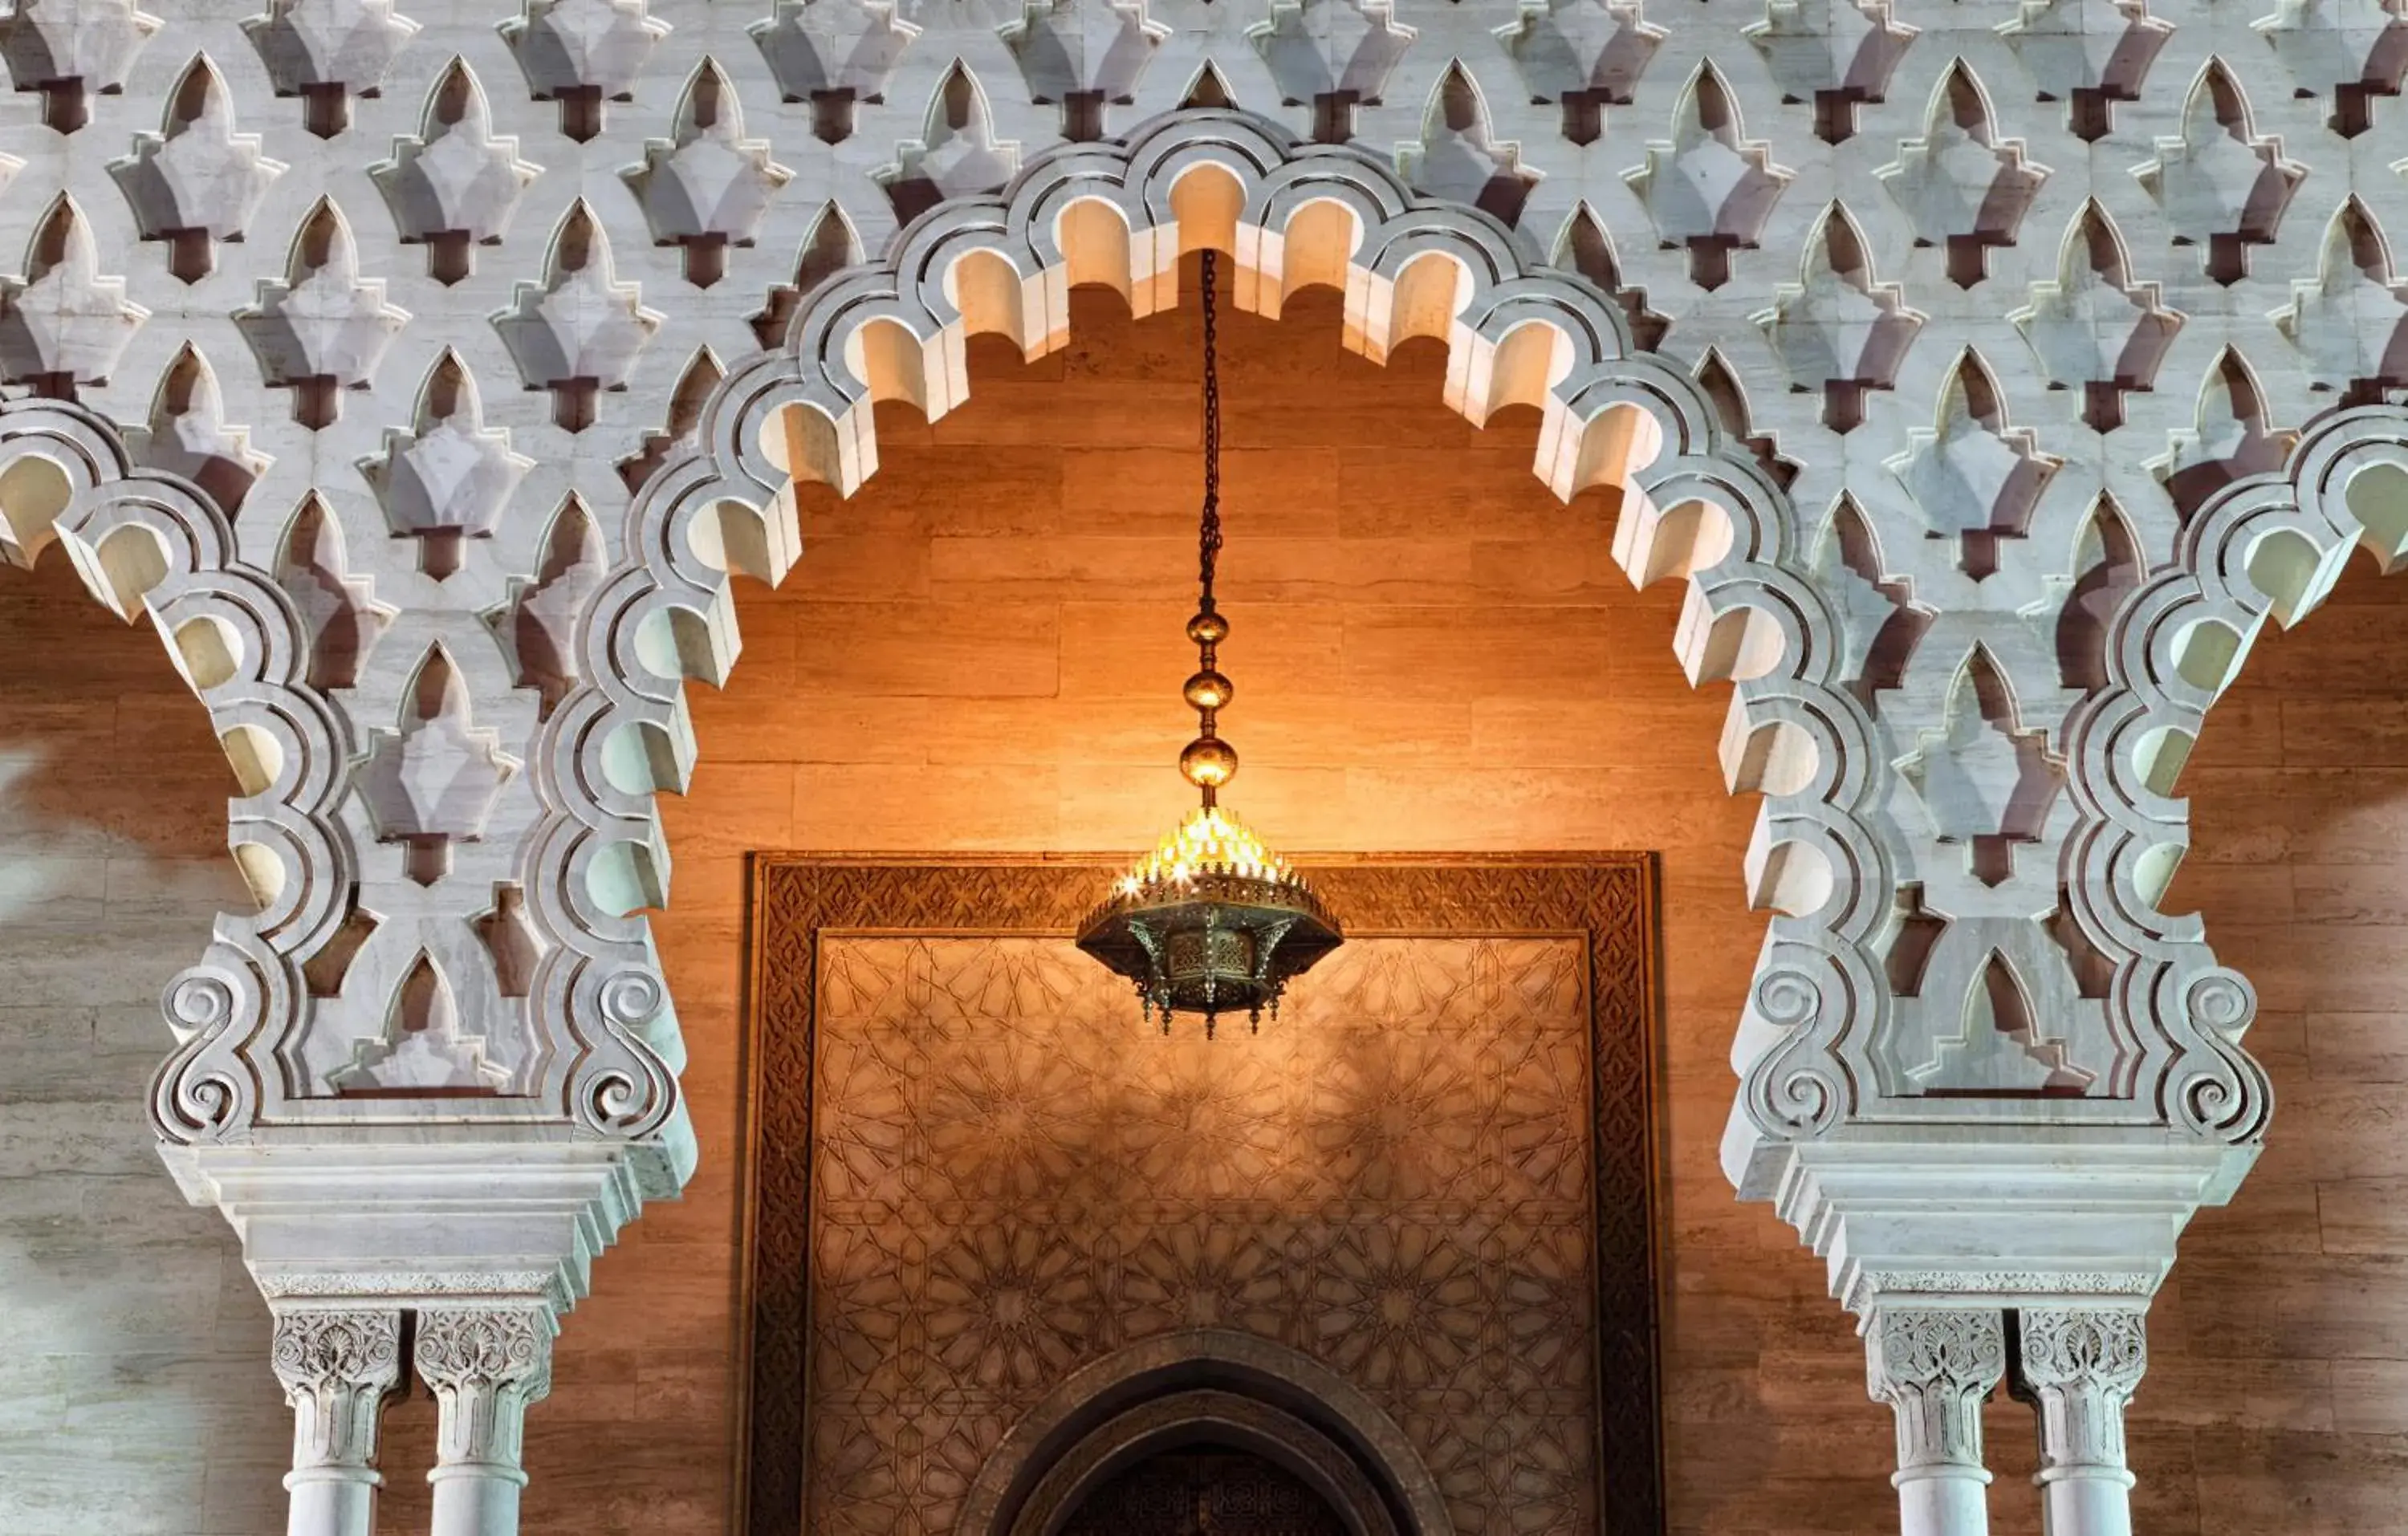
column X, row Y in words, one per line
column 1205, row 1493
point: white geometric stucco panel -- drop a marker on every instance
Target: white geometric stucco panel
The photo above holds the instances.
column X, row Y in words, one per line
column 1963, row 320
column 148, row 542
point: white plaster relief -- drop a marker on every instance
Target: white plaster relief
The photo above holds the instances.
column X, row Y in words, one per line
column 2162, row 386
column 454, row 182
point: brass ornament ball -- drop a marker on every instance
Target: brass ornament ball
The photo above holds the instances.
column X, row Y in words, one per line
column 1209, row 762
column 1209, row 690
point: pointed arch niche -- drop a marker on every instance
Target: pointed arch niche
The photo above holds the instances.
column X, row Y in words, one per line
column 972, row 478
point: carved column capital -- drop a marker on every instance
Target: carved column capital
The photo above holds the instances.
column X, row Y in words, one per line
column 484, row 1365
column 2079, row 1366
column 336, row 1368
column 1935, row 1369
column 338, row 1365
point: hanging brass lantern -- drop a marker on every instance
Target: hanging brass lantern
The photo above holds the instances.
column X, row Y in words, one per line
column 1211, row 922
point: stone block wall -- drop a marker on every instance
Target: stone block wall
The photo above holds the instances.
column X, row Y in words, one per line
column 2279, row 1350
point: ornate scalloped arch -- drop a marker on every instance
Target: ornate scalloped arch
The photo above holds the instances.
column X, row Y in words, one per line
column 2267, row 548
column 1290, row 214
column 150, row 542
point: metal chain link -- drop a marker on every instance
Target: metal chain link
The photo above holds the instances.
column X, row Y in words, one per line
column 1210, row 539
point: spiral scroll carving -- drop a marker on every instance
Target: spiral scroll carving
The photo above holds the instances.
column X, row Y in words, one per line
column 246, row 995
column 206, row 1089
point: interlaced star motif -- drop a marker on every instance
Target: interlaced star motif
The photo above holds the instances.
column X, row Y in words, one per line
column 1014, row 1176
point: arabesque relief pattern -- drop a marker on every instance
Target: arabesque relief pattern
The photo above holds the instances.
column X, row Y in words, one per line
column 1434, row 1177
column 1013, row 1176
column 1991, row 376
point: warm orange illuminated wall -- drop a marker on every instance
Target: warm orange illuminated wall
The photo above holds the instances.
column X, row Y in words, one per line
column 983, row 650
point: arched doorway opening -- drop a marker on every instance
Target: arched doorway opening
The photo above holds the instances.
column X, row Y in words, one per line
column 1207, row 1463
column 1125, row 1432
column 1198, row 1488
column 978, row 651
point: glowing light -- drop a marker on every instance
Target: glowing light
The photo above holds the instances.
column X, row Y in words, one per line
column 1211, row 921
column 1210, row 842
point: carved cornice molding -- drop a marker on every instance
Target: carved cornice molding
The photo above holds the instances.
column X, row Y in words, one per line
column 447, row 1220
column 2032, row 1216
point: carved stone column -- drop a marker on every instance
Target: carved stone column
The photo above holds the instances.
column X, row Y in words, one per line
column 2078, row 1368
column 1935, row 1369
column 337, row 1367
column 484, row 1364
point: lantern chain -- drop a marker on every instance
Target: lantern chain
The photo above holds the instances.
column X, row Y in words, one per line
column 1210, row 540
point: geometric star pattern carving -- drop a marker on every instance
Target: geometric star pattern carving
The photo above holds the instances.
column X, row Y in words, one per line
column 1013, row 1175
column 976, row 1171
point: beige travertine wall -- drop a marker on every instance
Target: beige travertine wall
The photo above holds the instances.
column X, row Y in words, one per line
column 2281, row 1348
column 136, row 1398
column 981, row 650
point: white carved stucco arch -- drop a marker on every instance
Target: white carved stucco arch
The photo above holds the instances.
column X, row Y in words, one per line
column 143, row 543
column 1829, row 852
column 1694, row 508
column 2266, row 548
